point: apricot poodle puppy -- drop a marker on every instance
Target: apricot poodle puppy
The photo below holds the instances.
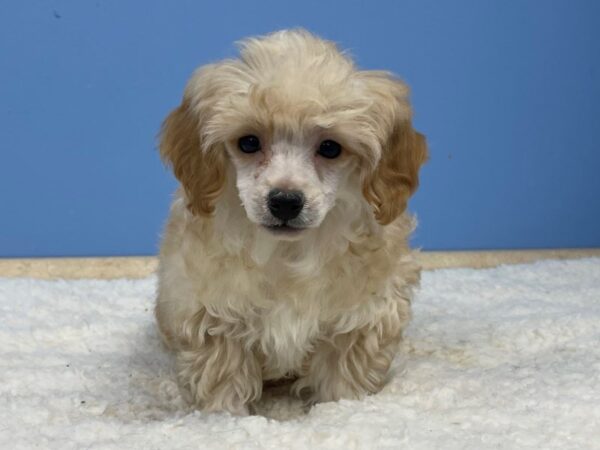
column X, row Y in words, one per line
column 286, row 252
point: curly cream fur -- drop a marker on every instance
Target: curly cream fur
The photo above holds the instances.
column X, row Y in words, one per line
column 241, row 306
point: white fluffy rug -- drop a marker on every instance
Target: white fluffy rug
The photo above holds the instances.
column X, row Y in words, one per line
column 496, row 358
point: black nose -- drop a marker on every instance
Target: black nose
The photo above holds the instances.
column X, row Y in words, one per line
column 285, row 205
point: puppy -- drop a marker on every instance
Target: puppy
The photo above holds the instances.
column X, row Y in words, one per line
column 286, row 253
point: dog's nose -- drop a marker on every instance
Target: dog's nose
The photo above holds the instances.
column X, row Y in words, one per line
column 285, row 205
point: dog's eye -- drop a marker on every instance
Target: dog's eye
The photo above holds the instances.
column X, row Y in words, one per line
column 329, row 149
column 249, row 144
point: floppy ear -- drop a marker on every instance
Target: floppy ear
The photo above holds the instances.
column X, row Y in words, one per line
column 403, row 150
column 396, row 177
column 200, row 170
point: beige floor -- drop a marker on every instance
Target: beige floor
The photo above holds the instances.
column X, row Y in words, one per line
column 137, row 267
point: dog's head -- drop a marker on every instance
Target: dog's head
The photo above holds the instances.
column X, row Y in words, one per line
column 299, row 127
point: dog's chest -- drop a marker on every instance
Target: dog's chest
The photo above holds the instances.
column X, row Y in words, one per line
column 287, row 336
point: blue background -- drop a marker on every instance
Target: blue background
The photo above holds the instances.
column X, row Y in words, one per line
column 507, row 92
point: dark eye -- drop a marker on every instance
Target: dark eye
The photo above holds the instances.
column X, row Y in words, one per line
column 249, row 144
column 329, row 149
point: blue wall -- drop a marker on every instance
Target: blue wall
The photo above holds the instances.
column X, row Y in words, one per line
column 508, row 93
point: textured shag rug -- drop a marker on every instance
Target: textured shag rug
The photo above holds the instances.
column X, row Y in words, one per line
column 495, row 358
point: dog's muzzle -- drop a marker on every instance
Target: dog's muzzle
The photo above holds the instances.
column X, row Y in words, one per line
column 285, row 205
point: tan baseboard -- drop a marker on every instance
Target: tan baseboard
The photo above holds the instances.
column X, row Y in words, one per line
column 494, row 258
column 74, row 268
column 139, row 267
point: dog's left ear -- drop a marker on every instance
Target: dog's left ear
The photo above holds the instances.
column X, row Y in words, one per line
column 403, row 150
column 201, row 171
column 197, row 164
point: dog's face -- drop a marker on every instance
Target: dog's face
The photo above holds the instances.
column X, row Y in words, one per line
column 289, row 181
column 298, row 127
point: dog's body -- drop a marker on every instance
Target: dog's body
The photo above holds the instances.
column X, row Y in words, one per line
column 286, row 251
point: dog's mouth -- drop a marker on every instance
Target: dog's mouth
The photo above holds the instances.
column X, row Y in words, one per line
column 284, row 229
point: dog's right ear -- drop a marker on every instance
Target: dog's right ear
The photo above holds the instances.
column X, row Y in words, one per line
column 403, row 150
column 200, row 170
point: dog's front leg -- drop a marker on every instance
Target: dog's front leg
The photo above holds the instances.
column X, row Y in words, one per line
column 350, row 365
column 215, row 369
